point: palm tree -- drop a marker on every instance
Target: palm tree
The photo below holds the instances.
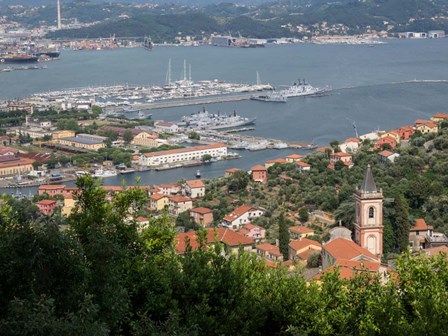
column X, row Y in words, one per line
column 346, row 213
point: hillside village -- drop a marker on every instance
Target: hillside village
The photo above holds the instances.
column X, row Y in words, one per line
column 346, row 223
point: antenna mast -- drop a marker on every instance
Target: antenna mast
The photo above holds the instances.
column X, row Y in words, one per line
column 59, row 15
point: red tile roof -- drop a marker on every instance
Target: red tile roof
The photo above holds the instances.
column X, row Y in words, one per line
column 258, row 168
column 184, row 150
column 238, row 212
column 180, row 199
column 278, row 160
column 51, row 186
column 348, row 268
column 420, row 225
column 300, row 229
column 201, row 210
column 352, row 140
column 303, row 243
column 225, row 236
column 294, row 156
column 342, row 154
column 385, row 153
column 195, row 184
column 441, row 115
column 46, row 202
column 269, row 248
column 303, row 164
column 435, row 251
column 157, row 197
column 341, row 248
column 232, row 170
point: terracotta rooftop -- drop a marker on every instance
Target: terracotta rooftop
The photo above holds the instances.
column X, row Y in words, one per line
column 420, row 225
column 300, row 229
column 269, row 248
column 15, row 162
column 294, row 156
column 184, row 150
column 195, row 184
column 258, row 168
column 201, row 210
column 352, row 140
column 435, row 251
column 385, row 153
column 232, row 170
column 303, row 243
column 168, row 185
column 4, row 150
column 141, row 219
column 51, row 186
column 238, row 212
column 348, row 268
column 303, row 164
column 278, row 160
column 157, row 197
column 46, row 202
column 341, row 248
column 342, row 154
column 180, row 199
column 441, row 115
column 225, row 236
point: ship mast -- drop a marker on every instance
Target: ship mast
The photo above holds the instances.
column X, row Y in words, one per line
column 185, row 70
column 59, row 14
column 168, row 73
column 258, row 79
column 189, row 72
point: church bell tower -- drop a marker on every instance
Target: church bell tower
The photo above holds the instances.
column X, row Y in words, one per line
column 369, row 215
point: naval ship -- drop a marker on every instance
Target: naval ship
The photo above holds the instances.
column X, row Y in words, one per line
column 205, row 120
column 18, row 58
column 303, row 88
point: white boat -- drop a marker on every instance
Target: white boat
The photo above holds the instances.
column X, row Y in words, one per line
column 280, row 145
column 258, row 146
column 274, row 97
column 80, row 173
column 104, row 173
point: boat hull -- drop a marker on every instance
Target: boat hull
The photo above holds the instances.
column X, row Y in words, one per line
column 19, row 60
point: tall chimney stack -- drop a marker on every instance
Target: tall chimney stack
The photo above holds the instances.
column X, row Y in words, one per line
column 59, row 15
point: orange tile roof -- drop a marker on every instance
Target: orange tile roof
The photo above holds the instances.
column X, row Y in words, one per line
column 157, row 197
column 441, row 115
column 421, row 121
column 168, row 185
column 420, row 225
column 16, row 162
column 258, row 168
column 300, row 229
column 184, row 150
column 341, row 248
column 435, row 251
column 294, row 156
column 251, row 226
column 195, row 184
column 238, row 212
column 141, row 219
column 269, row 248
column 232, row 170
column 51, row 186
column 303, row 164
column 323, row 149
column 201, row 210
column 226, row 236
column 298, row 245
column 385, row 153
column 342, row 154
column 46, row 202
column 278, row 160
column 180, row 199
column 348, row 268
column 352, row 140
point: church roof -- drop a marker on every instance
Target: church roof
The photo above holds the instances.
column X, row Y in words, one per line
column 368, row 183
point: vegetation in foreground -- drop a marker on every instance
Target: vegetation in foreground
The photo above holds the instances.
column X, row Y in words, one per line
column 102, row 276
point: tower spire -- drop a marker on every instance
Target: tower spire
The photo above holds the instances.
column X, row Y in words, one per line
column 368, row 183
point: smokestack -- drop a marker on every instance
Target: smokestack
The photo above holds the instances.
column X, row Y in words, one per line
column 59, row 15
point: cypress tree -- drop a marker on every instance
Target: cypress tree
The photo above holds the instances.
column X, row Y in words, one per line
column 401, row 223
column 283, row 236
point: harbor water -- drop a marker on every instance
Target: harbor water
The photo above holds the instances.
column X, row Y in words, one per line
column 379, row 88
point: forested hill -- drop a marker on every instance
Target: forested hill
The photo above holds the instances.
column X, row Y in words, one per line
column 274, row 19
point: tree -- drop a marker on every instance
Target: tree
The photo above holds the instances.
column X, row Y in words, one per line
column 127, row 136
column 313, row 260
column 401, row 223
column 303, row 215
column 194, row 135
column 206, row 158
column 283, row 236
column 238, row 181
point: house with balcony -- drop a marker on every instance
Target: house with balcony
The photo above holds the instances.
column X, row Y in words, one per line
column 241, row 216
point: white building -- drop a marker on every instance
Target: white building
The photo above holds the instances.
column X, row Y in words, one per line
column 167, row 127
column 350, row 145
column 182, row 155
column 194, row 188
column 436, row 34
column 241, row 216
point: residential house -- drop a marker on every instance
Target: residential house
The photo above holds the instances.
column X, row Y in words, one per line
column 426, row 126
column 231, row 171
column 158, row 202
column 435, row 251
column 255, row 232
column 438, row 117
column 8, row 151
column 303, row 166
column 179, row 204
column 301, row 249
column 194, row 188
column 299, row 232
column 293, row 158
column 259, row 174
column 231, row 240
column 350, row 145
column 170, row 189
column 405, row 132
column 392, row 134
column 270, row 163
column 418, row 234
column 388, row 140
column 348, row 269
column 240, row 216
column 142, row 221
column 269, row 252
column 345, row 249
column 345, row 158
column 202, row 216
column 69, row 204
column 47, row 207
column 387, row 156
